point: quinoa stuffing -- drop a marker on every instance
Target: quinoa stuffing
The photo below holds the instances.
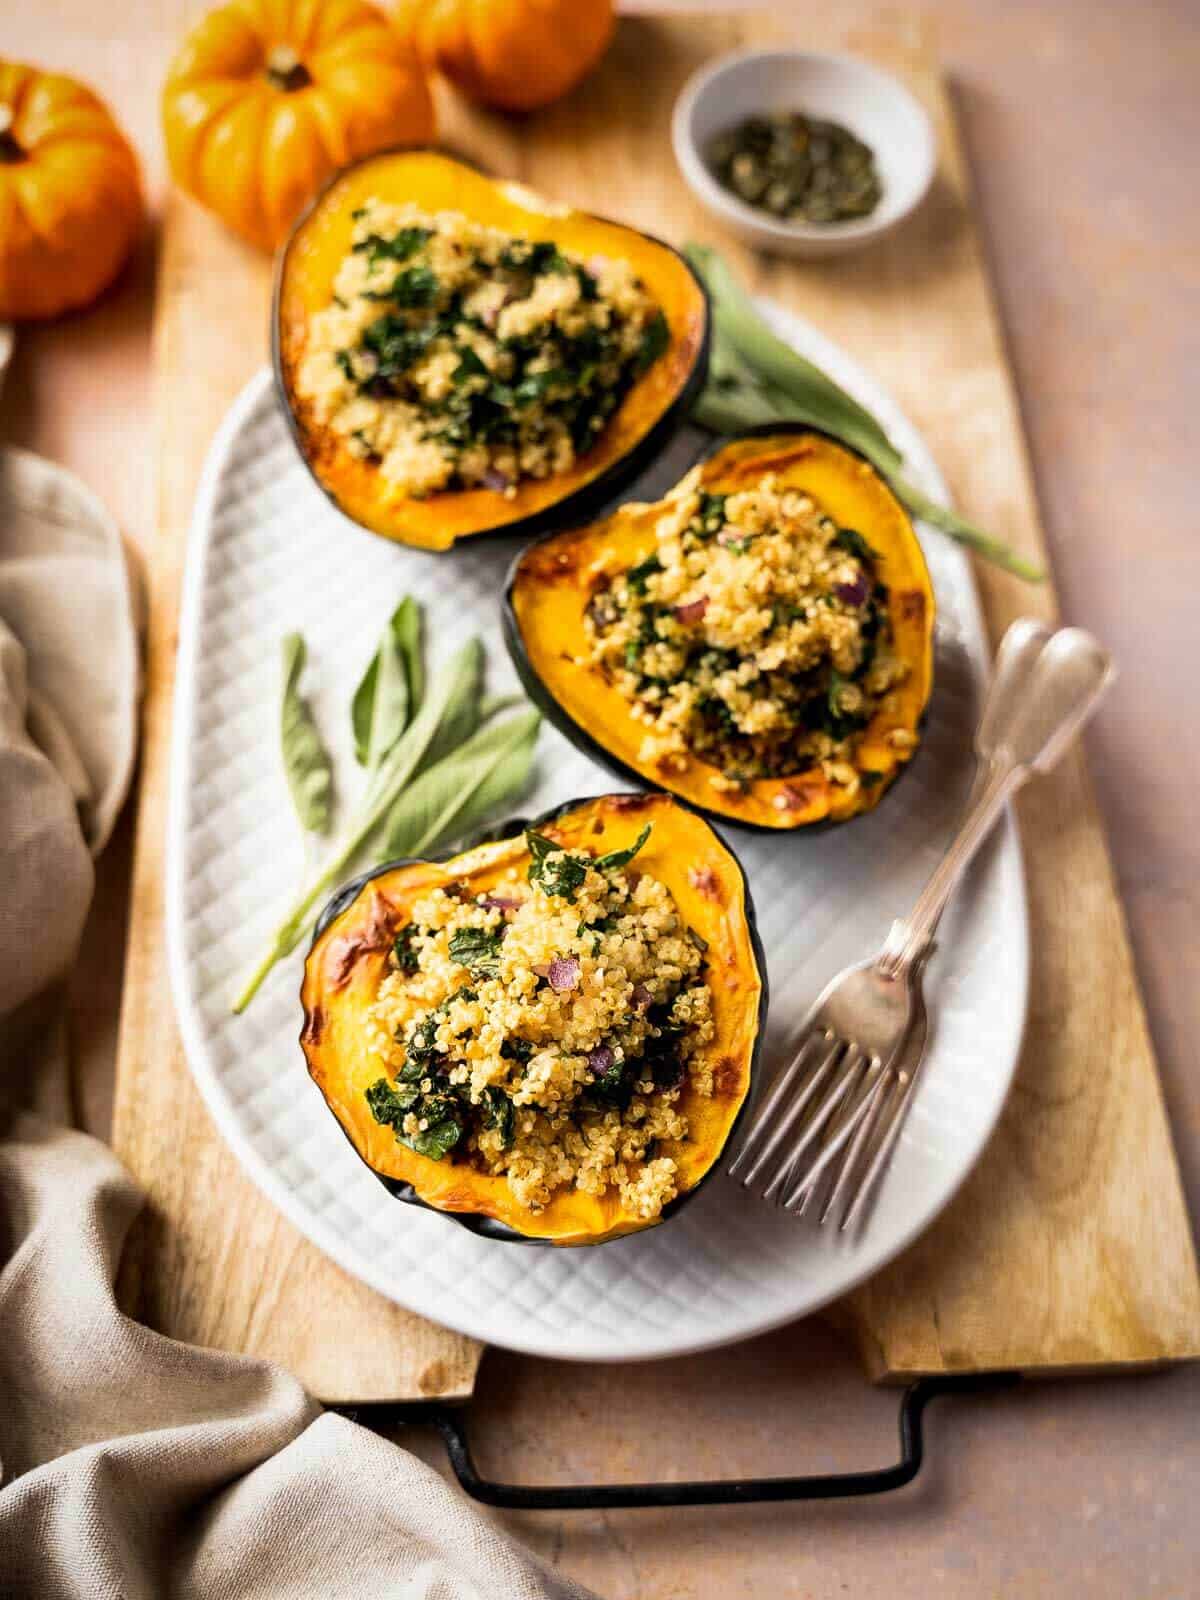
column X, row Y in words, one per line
column 754, row 637
column 456, row 356
column 545, row 1031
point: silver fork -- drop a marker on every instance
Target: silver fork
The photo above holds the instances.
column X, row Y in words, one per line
column 878, row 1118
column 850, row 1081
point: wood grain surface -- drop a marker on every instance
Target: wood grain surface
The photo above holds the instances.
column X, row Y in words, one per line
column 1069, row 1247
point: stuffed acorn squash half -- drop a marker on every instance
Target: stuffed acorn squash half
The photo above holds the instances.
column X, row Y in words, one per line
column 759, row 643
column 459, row 356
column 551, row 1036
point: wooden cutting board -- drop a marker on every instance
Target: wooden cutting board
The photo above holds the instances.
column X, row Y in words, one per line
column 1069, row 1247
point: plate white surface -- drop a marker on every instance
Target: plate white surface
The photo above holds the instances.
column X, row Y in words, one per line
column 268, row 553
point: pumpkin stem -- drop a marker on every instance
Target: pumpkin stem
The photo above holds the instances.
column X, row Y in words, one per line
column 10, row 150
column 285, row 70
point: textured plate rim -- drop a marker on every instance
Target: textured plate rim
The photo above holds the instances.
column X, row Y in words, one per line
column 833, row 1285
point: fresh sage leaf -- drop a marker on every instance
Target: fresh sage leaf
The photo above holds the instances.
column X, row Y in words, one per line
column 460, row 718
column 406, row 626
column 493, row 703
column 389, row 693
column 488, row 770
column 305, row 758
column 506, row 781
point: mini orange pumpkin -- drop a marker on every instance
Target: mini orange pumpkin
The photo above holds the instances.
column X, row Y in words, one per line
column 515, row 55
column 268, row 98
column 70, row 196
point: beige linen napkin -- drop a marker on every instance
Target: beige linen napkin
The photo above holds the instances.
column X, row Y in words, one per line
column 132, row 1467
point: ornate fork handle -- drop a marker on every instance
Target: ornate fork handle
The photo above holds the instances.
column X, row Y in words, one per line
column 1059, row 694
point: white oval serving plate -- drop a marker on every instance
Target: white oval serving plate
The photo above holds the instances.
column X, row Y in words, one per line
column 268, row 554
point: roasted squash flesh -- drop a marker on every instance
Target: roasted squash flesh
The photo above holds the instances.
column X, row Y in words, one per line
column 350, row 958
column 556, row 580
column 435, row 183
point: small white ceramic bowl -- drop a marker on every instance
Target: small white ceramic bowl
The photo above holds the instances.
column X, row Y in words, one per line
column 839, row 88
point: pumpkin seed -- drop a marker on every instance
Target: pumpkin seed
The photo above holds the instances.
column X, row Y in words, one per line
column 798, row 168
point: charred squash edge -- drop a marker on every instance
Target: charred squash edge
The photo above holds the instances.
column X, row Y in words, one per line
column 691, row 334
column 547, row 701
column 491, row 1227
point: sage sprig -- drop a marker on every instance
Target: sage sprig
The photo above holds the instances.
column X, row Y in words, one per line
column 452, row 699
column 755, row 379
column 778, row 365
column 306, row 762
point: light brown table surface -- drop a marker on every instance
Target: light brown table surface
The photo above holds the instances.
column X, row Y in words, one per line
column 1082, row 120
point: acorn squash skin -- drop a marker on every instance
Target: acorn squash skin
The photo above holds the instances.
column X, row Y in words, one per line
column 627, row 814
column 559, row 561
column 645, row 421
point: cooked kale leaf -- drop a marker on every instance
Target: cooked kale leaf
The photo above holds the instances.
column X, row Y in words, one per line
column 552, row 869
column 444, row 1127
column 402, row 948
column 390, row 1106
column 854, row 543
column 499, row 1113
column 469, row 365
column 421, row 1043
column 477, row 949
column 616, row 859
column 534, row 258
column 416, row 287
column 398, row 248
column 636, row 577
column 654, row 343
column 710, row 514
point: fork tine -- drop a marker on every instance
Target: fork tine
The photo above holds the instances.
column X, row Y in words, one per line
column 850, row 1127
column 902, row 1097
column 767, row 1161
column 846, row 1188
column 764, row 1122
column 851, row 1072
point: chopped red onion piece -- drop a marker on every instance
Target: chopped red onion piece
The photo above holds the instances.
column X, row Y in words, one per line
column 792, row 798
column 693, row 611
column 852, row 593
column 564, row 973
column 495, row 480
column 500, row 902
column 600, row 1059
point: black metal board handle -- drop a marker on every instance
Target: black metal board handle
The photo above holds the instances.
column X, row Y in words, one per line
column 451, row 1424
